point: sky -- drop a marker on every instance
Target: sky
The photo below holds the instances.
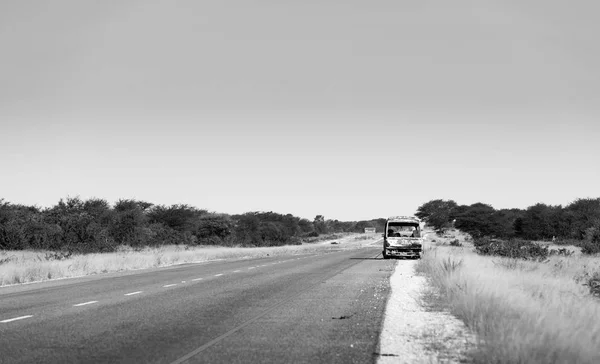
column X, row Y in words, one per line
column 349, row 109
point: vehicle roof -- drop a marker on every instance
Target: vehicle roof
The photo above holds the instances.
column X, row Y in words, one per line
column 404, row 219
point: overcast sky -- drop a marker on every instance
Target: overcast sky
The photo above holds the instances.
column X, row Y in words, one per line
column 350, row 109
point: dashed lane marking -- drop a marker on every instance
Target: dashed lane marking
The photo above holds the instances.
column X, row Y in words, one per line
column 218, row 275
column 132, row 293
column 85, row 303
column 169, row 285
column 197, row 279
column 236, row 271
column 16, row 318
column 266, row 311
column 251, row 267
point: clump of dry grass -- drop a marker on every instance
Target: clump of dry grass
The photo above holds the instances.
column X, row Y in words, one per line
column 521, row 311
column 31, row 266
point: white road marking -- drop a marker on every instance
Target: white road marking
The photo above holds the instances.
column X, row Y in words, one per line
column 197, row 279
column 85, row 303
column 16, row 318
column 169, row 285
column 236, row 271
column 251, row 267
column 218, row 275
column 182, row 281
column 132, row 293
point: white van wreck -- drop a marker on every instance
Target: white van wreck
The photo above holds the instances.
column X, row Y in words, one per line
column 402, row 237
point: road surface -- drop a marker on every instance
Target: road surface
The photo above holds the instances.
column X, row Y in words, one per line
column 317, row 308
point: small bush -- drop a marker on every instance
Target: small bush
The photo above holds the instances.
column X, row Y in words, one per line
column 515, row 264
column 7, row 259
column 450, row 265
column 513, row 248
column 594, row 286
column 455, row 242
column 592, row 281
column 59, row 255
column 591, row 244
column 564, row 252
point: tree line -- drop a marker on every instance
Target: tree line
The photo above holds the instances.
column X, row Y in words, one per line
column 577, row 222
column 95, row 225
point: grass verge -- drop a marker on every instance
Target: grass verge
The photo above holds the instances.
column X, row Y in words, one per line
column 31, row 266
column 520, row 311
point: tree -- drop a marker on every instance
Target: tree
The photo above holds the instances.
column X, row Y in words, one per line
column 130, row 224
column 214, row 228
column 319, row 224
column 476, row 219
column 537, row 222
column 437, row 213
column 585, row 214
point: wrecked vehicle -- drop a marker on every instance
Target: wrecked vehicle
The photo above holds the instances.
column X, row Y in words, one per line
column 402, row 237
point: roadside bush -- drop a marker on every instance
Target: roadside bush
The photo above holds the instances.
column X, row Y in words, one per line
column 93, row 225
column 564, row 252
column 450, row 265
column 177, row 217
column 593, row 283
column 59, row 255
column 455, row 242
column 513, row 248
column 214, row 226
column 591, row 280
column 591, row 244
column 129, row 222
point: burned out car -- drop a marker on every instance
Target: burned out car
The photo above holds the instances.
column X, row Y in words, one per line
column 402, row 237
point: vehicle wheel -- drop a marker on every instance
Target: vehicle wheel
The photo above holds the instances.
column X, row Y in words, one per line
column 385, row 256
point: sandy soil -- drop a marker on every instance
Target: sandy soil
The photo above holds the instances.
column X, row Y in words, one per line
column 413, row 334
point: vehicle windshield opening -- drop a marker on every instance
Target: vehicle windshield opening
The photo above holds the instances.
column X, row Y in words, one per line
column 402, row 229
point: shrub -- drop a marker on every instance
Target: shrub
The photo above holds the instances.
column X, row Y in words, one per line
column 561, row 252
column 455, row 242
column 213, row 225
column 591, row 280
column 513, row 248
column 593, row 283
column 449, row 265
column 591, row 244
column 312, row 234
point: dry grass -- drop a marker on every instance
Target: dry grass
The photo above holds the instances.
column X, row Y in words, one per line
column 521, row 312
column 31, row 266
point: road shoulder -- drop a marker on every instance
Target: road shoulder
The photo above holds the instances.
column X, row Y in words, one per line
column 411, row 333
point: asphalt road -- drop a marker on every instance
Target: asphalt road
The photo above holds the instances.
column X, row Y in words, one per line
column 317, row 308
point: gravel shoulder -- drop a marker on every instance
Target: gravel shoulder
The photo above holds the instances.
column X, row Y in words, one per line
column 412, row 333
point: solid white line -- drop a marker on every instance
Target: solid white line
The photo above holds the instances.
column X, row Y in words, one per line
column 132, row 293
column 197, row 279
column 84, row 303
column 169, row 285
column 218, row 275
column 16, row 318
